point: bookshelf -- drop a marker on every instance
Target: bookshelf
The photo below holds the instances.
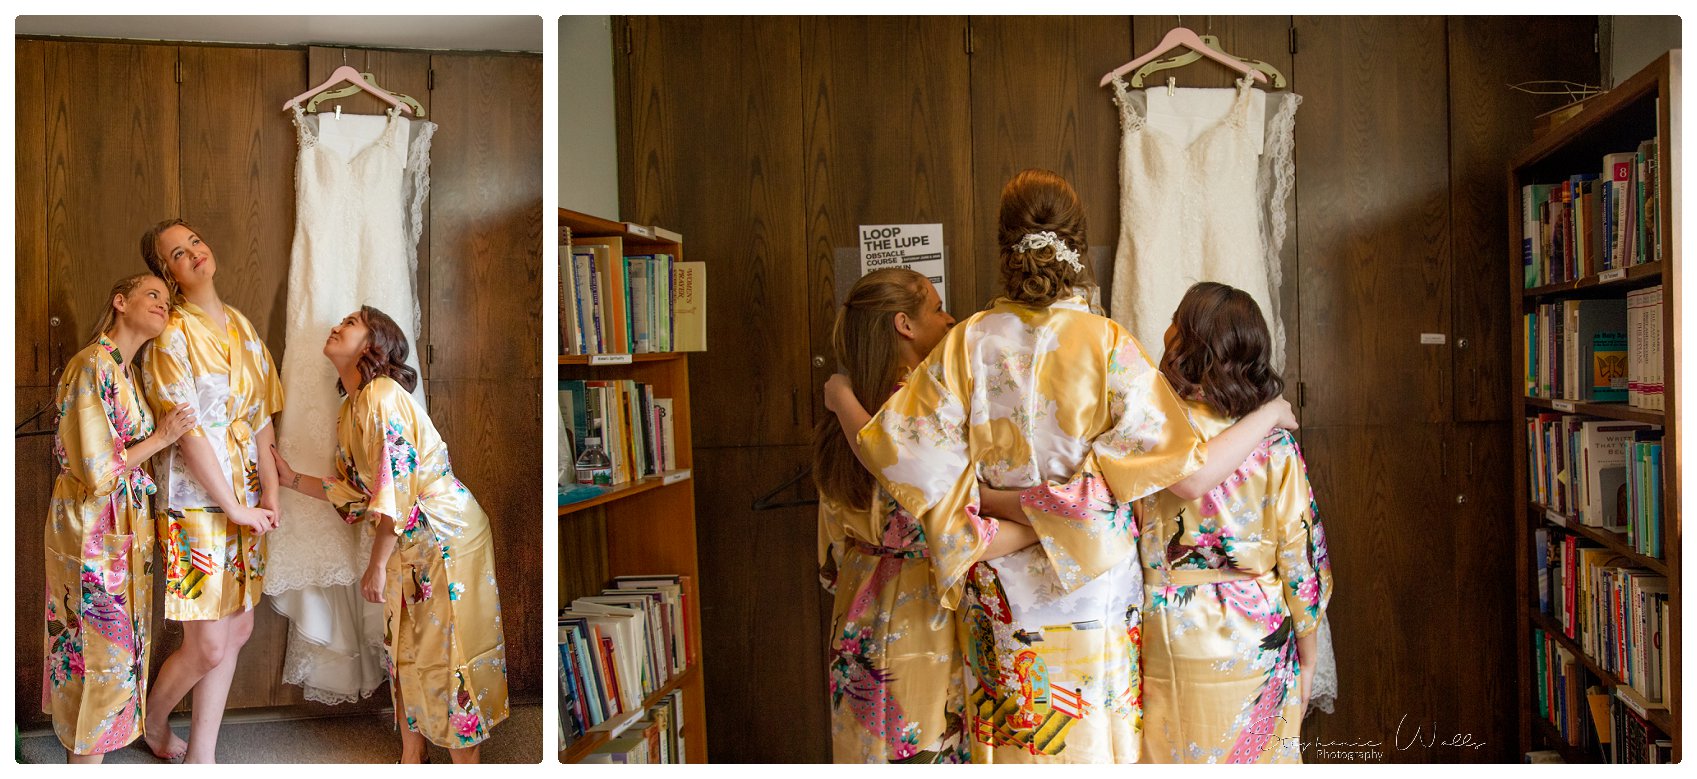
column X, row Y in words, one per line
column 1643, row 106
column 644, row 526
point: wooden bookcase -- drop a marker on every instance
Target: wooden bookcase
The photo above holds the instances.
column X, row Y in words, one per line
column 645, row 526
column 1615, row 121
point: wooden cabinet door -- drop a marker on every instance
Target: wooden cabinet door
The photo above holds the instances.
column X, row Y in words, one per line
column 238, row 173
column 30, row 216
column 1373, row 210
column 715, row 135
column 485, row 299
column 885, row 134
column 111, row 174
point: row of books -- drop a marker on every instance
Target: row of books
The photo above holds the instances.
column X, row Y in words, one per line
column 1644, row 495
column 656, row 738
column 1590, row 470
column 633, row 430
column 1644, row 364
column 614, row 303
column 1617, row 613
column 1633, row 740
column 1563, row 695
column 618, row 648
column 1596, row 351
column 1592, row 222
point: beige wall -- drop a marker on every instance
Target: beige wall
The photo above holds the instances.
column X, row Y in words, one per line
column 1636, row 41
column 589, row 169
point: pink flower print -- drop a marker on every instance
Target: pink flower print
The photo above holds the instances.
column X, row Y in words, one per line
column 76, row 664
column 1308, row 590
column 466, row 726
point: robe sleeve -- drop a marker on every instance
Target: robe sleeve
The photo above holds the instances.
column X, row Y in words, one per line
column 1083, row 529
column 1305, row 568
column 830, row 543
column 386, row 456
column 345, row 490
column 91, row 450
column 917, row 447
column 269, row 395
column 168, row 377
column 1150, row 443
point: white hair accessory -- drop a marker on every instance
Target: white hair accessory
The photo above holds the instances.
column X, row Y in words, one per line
column 1064, row 253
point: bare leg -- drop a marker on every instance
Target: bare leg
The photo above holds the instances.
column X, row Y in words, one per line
column 76, row 759
column 201, row 651
column 207, row 713
column 414, row 749
column 469, row 755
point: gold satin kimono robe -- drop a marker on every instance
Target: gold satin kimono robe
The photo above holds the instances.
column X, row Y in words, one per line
column 441, row 611
column 1232, row 580
column 1020, row 397
column 896, row 684
column 99, row 558
column 213, row 567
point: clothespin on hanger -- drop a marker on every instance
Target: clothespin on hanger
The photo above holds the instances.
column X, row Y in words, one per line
column 338, row 112
column 1171, row 83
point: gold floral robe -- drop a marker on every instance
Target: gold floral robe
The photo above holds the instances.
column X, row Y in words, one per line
column 99, row 558
column 896, row 686
column 1019, row 397
column 441, row 611
column 1232, row 580
column 213, row 567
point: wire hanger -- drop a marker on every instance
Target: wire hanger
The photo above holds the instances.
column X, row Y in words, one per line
column 769, row 501
column 348, row 74
column 347, row 91
column 1184, row 36
column 1188, row 57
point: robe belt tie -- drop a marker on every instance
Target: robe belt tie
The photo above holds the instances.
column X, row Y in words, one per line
column 889, row 551
column 1187, row 577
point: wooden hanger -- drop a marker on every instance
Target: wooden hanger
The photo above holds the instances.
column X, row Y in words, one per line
column 348, row 74
column 348, row 91
column 1183, row 36
column 771, row 499
column 1188, row 57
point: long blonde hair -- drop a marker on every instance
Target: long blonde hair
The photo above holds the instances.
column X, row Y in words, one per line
column 865, row 341
column 109, row 317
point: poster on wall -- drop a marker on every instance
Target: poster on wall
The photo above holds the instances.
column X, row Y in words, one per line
column 919, row 247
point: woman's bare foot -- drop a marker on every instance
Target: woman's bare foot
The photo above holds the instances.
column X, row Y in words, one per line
column 173, row 747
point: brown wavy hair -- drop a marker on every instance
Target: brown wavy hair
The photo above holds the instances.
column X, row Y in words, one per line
column 864, row 339
column 109, row 318
column 1222, row 349
column 385, row 352
column 156, row 263
column 1033, row 201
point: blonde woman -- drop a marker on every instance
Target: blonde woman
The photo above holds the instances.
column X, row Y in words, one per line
column 220, row 487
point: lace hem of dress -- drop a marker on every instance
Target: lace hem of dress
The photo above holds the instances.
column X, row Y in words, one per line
column 1325, row 691
column 302, row 663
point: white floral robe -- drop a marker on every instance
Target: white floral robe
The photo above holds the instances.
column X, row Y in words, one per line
column 1020, row 397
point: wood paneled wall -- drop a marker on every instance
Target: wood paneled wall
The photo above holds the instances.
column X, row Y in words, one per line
column 766, row 141
column 110, row 141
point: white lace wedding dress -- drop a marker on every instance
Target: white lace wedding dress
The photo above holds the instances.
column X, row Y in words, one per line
column 1205, row 176
column 360, row 185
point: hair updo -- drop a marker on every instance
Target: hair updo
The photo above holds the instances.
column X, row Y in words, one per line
column 1033, row 201
column 385, row 355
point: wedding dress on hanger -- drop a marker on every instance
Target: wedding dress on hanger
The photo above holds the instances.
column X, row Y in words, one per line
column 1205, row 176
column 360, row 185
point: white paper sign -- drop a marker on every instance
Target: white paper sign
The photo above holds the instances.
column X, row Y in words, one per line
column 919, row 247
